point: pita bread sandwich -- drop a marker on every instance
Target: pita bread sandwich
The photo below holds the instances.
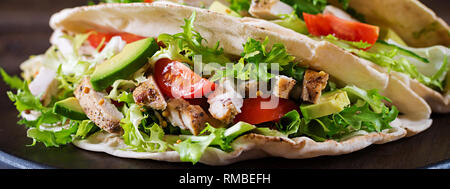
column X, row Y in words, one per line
column 414, row 51
column 169, row 82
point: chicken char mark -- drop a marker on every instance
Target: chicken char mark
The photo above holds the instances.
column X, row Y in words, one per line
column 186, row 116
column 313, row 84
column 148, row 94
column 105, row 115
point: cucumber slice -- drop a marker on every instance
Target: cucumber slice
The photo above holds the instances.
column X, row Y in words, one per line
column 384, row 46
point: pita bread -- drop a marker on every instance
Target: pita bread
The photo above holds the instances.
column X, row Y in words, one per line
column 151, row 20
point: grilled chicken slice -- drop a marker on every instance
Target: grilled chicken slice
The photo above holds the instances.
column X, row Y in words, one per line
column 330, row 9
column 44, row 84
column 186, row 116
column 98, row 108
column 313, row 84
column 249, row 88
column 148, row 94
column 283, row 86
column 225, row 102
column 269, row 9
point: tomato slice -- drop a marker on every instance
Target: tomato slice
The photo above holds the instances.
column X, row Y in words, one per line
column 148, row 1
column 322, row 25
column 96, row 38
column 253, row 110
column 177, row 80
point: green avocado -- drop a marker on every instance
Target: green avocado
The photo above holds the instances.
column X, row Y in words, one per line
column 121, row 66
column 387, row 33
column 216, row 6
column 70, row 108
column 329, row 103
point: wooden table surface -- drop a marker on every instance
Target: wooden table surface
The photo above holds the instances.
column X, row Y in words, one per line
column 24, row 31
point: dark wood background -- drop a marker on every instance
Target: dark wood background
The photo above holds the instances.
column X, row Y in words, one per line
column 24, row 31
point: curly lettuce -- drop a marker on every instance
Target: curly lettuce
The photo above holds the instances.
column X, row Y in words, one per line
column 185, row 46
column 191, row 148
column 257, row 61
column 367, row 113
column 44, row 125
column 139, row 135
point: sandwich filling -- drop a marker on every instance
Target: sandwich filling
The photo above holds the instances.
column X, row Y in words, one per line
column 174, row 93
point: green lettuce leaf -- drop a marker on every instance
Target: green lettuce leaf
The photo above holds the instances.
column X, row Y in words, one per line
column 344, row 4
column 257, row 61
column 188, row 44
column 85, row 127
column 294, row 71
column 138, row 140
column 192, row 148
column 257, row 52
column 393, row 60
column 293, row 22
column 13, row 81
column 352, row 119
column 60, row 135
column 367, row 113
column 60, row 131
column 192, row 151
column 240, row 5
column 308, row 6
column 24, row 100
column 372, row 97
column 47, row 127
column 121, row 90
column 435, row 57
column 289, row 123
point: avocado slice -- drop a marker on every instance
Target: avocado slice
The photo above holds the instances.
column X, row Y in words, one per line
column 70, row 108
column 216, row 6
column 388, row 33
column 121, row 66
column 329, row 103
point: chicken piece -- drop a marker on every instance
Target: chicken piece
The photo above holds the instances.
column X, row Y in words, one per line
column 313, row 84
column 44, row 84
column 269, row 9
column 98, row 108
column 225, row 102
column 186, row 116
column 283, row 86
column 330, row 9
column 148, row 94
column 249, row 88
column 296, row 91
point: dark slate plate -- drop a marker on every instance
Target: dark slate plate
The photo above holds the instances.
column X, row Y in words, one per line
column 24, row 31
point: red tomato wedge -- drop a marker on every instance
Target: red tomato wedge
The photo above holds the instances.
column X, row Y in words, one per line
column 253, row 110
column 177, row 80
column 322, row 25
column 96, row 38
column 148, row 1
